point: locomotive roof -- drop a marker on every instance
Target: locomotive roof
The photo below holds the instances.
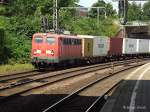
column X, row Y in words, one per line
column 57, row 35
column 69, row 36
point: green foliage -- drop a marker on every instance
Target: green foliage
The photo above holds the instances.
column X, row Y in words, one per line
column 15, row 43
column 22, row 7
column 2, row 10
column 134, row 12
column 2, row 45
column 110, row 12
column 4, row 49
column 138, row 12
column 89, row 26
column 146, row 10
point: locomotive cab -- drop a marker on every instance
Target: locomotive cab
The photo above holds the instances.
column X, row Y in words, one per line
column 44, row 50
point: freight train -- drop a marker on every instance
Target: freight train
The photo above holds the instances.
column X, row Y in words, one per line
column 54, row 50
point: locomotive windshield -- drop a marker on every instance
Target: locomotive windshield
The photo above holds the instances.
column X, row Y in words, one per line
column 38, row 39
column 50, row 40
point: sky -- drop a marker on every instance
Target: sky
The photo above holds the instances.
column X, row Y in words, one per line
column 88, row 3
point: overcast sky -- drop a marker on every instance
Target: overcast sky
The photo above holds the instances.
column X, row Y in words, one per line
column 88, row 3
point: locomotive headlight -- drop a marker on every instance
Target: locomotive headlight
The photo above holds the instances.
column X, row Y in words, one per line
column 51, row 52
column 37, row 51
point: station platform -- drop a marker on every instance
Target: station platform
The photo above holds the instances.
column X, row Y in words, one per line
column 133, row 95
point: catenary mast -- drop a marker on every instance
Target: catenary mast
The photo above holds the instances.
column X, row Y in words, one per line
column 55, row 16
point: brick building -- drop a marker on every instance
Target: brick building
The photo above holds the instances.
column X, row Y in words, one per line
column 81, row 12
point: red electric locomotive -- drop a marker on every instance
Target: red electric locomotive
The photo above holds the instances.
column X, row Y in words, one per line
column 50, row 50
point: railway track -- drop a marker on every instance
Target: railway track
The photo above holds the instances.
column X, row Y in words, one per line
column 54, row 77
column 26, row 89
column 5, row 77
column 10, row 81
column 15, row 76
column 100, row 101
column 95, row 104
column 18, row 88
column 75, row 102
column 22, row 75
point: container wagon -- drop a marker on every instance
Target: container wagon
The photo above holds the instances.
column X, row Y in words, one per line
column 122, row 47
column 94, row 48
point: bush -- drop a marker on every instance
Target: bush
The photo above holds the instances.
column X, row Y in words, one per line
column 15, row 68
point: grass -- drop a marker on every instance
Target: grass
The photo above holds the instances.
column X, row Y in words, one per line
column 15, row 68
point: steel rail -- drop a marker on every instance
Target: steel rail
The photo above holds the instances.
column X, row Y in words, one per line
column 101, row 99
column 11, row 85
column 6, row 98
column 14, row 76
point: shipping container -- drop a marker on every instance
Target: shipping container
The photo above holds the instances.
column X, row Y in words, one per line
column 142, row 46
column 100, row 46
column 129, row 46
column 87, row 45
column 119, row 46
column 115, row 47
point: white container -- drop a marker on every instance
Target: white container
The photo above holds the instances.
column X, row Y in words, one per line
column 100, row 46
column 142, row 46
column 129, row 46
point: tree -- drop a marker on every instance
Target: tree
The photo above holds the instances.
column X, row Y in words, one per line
column 4, row 50
column 20, row 20
column 146, row 10
column 134, row 12
column 109, row 9
column 89, row 26
column 2, row 45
